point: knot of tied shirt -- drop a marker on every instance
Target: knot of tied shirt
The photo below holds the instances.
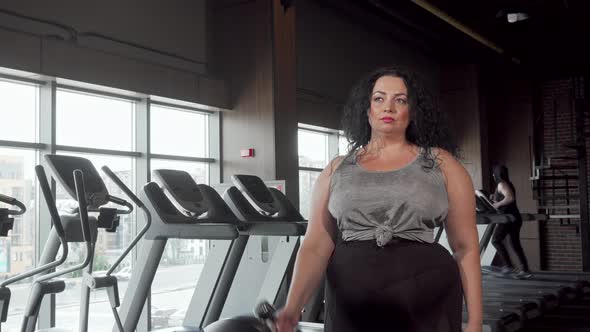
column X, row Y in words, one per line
column 383, row 234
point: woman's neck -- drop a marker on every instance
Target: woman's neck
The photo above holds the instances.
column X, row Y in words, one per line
column 379, row 144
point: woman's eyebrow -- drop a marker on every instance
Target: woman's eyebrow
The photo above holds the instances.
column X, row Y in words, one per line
column 395, row 94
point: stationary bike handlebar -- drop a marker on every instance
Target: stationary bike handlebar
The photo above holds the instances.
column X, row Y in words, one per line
column 14, row 202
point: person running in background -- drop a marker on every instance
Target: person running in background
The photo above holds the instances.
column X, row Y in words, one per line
column 504, row 199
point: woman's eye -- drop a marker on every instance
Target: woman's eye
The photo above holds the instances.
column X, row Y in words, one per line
column 401, row 101
column 378, row 99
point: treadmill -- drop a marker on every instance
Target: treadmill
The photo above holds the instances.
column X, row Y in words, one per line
column 262, row 211
column 546, row 293
column 557, row 313
column 502, row 312
column 565, row 289
column 206, row 216
column 275, row 216
column 258, row 207
column 502, row 304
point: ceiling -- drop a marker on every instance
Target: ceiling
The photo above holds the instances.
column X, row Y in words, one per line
column 552, row 40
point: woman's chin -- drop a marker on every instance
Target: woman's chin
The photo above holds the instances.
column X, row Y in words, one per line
column 391, row 131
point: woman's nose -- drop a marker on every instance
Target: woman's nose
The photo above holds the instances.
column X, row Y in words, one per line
column 389, row 107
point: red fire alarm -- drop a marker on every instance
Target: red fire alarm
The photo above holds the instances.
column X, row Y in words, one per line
column 247, row 153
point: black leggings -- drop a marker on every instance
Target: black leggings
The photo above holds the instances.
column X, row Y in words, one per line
column 405, row 286
column 512, row 231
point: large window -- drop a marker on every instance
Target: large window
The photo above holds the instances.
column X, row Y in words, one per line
column 90, row 122
column 18, row 111
column 179, row 140
column 316, row 147
column 18, row 126
column 313, row 149
column 128, row 132
column 179, row 132
column 17, row 251
column 93, row 121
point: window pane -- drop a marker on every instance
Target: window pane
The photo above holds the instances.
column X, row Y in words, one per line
column 17, row 251
column 178, row 132
column 93, row 121
column 313, row 149
column 199, row 171
column 306, row 181
column 176, row 279
column 18, row 111
column 181, row 263
column 108, row 248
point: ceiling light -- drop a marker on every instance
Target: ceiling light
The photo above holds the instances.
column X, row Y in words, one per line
column 515, row 17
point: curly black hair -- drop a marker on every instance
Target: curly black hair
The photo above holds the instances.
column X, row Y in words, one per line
column 427, row 129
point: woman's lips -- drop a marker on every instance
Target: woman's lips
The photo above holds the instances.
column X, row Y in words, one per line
column 387, row 119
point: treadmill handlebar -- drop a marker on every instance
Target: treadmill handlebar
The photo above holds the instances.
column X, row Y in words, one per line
column 122, row 202
column 485, row 202
column 489, row 209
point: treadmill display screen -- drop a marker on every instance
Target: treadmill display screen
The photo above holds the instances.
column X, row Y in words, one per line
column 257, row 188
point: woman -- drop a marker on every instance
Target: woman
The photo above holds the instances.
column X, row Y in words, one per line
column 505, row 201
column 372, row 218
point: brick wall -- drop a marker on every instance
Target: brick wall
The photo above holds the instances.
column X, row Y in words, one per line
column 561, row 240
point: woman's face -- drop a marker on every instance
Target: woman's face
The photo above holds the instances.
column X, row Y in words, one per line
column 389, row 112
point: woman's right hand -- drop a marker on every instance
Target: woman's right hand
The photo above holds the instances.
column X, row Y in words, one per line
column 286, row 320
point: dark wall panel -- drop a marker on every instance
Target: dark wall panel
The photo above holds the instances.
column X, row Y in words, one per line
column 163, row 50
column 509, row 103
column 460, row 100
column 176, row 28
column 23, row 52
column 335, row 49
column 242, row 51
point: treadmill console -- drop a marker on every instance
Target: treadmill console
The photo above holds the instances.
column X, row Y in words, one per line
column 483, row 204
column 257, row 193
column 183, row 189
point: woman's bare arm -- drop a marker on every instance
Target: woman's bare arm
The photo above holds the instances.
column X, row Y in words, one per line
column 317, row 246
column 462, row 234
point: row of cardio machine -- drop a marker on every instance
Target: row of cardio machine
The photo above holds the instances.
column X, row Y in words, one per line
column 512, row 304
column 174, row 208
column 178, row 208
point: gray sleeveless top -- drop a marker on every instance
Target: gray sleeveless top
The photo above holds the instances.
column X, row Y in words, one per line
column 405, row 203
